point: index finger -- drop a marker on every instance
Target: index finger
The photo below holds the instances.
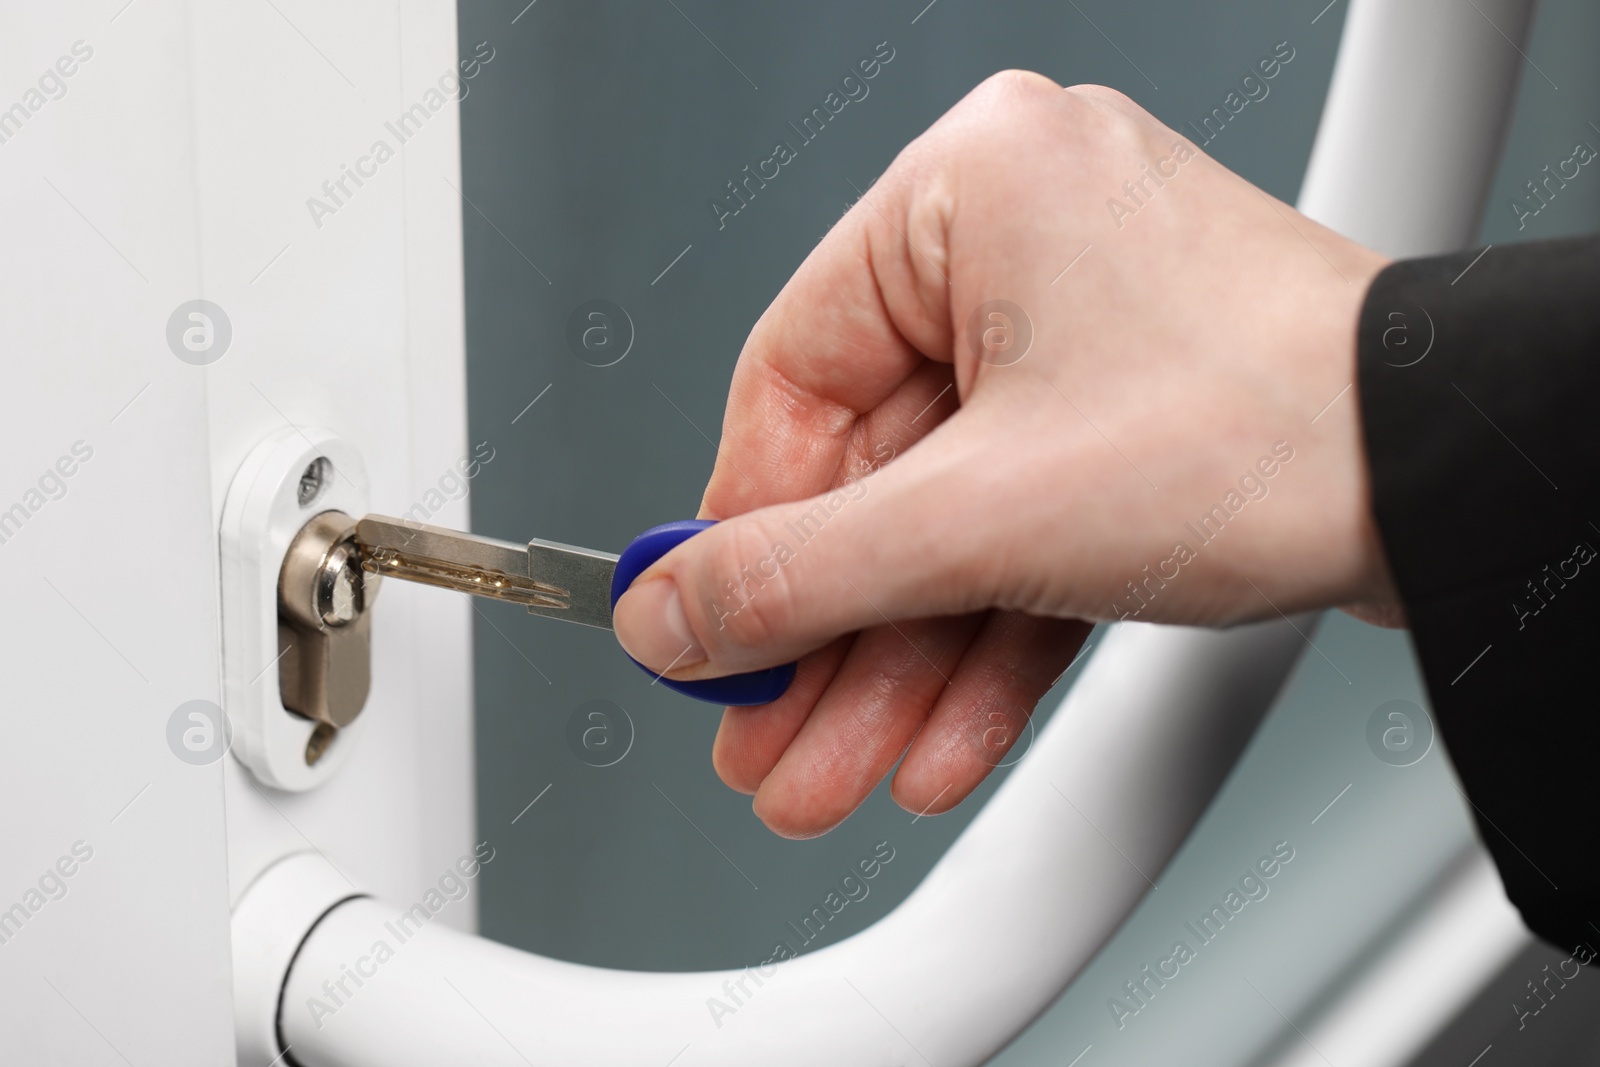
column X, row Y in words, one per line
column 831, row 350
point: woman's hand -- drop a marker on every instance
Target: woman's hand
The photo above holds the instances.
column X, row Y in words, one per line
column 1056, row 366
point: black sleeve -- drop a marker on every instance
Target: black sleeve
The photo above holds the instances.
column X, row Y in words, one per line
column 1480, row 396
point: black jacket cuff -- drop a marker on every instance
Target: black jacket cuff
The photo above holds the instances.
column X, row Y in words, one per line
column 1480, row 386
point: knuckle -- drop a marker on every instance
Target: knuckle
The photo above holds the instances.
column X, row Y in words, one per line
column 1017, row 85
column 999, row 106
column 1100, row 95
column 1016, row 107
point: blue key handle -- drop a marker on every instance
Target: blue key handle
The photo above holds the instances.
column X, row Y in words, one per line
column 735, row 690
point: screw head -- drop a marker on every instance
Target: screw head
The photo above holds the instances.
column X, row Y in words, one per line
column 312, row 481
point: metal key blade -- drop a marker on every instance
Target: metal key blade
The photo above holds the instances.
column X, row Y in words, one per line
column 585, row 575
column 550, row 579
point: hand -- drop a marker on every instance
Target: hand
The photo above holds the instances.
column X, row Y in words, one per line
column 927, row 521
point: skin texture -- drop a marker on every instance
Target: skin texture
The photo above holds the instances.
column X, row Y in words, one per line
column 976, row 518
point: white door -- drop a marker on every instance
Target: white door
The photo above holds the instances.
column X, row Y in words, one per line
column 154, row 154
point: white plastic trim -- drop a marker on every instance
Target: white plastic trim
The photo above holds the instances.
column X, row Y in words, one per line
column 260, row 517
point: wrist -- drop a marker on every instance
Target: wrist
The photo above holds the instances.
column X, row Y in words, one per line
column 1371, row 593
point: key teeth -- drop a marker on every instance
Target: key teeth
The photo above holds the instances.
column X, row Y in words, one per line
column 495, row 585
column 498, row 570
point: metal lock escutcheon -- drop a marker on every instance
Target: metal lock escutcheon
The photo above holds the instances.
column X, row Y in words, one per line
column 325, row 624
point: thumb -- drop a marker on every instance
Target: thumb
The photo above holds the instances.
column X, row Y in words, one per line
column 769, row 586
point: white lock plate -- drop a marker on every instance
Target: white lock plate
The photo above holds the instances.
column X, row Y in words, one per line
column 263, row 512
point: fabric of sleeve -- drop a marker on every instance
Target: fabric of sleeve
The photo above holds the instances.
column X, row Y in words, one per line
column 1479, row 381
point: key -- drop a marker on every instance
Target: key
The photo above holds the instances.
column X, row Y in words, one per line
column 551, row 579
column 573, row 584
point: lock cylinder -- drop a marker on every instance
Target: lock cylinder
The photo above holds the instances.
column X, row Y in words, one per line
column 324, row 627
column 296, row 607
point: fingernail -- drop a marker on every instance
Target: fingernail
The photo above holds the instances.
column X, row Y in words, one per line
column 653, row 629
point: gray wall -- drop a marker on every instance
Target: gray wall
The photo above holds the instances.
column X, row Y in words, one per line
column 592, row 143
